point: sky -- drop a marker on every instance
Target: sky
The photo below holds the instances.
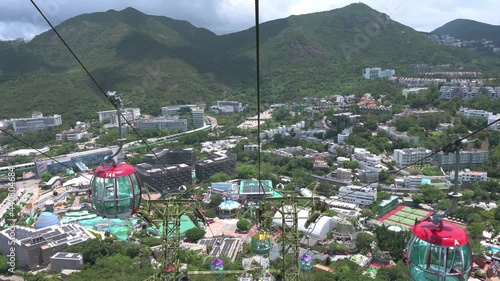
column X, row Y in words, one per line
column 19, row 19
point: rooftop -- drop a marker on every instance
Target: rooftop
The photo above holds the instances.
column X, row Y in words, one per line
column 252, row 186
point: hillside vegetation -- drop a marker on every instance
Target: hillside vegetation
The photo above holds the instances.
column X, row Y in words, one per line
column 470, row 30
column 156, row 61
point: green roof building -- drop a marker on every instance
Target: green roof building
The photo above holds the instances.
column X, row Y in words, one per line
column 387, row 205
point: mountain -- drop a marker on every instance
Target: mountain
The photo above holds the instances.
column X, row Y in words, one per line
column 464, row 29
column 156, row 61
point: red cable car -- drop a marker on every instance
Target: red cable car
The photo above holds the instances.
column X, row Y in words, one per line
column 438, row 252
column 115, row 191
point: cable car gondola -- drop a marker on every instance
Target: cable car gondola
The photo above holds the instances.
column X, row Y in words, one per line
column 115, row 189
column 439, row 250
column 438, row 253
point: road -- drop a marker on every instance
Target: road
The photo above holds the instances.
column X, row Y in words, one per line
column 22, row 189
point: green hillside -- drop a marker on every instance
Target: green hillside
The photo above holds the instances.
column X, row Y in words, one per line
column 470, row 30
column 158, row 61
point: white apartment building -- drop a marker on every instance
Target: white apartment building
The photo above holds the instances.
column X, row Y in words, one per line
column 35, row 123
column 474, row 113
column 342, row 137
column 377, row 72
column 492, row 118
column 409, row 91
column 130, row 114
column 468, row 175
column 361, row 196
column 407, row 156
column 366, row 159
column 250, row 147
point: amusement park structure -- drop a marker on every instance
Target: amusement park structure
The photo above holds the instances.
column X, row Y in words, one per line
column 438, row 250
column 116, row 192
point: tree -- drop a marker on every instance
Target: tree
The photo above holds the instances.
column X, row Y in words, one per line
column 46, row 176
column 195, row 234
column 219, row 177
column 364, row 241
column 243, row 225
column 215, row 200
column 476, row 229
column 351, row 164
column 246, row 171
column 367, row 213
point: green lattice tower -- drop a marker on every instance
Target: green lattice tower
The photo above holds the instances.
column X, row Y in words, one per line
column 287, row 207
column 167, row 213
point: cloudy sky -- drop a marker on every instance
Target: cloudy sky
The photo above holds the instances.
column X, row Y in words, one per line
column 18, row 18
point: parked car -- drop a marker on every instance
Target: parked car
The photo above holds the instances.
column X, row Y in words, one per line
column 240, row 231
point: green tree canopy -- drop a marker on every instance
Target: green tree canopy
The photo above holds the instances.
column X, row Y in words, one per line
column 195, row 234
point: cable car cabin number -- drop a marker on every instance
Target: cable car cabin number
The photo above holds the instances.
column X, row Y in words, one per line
column 110, row 175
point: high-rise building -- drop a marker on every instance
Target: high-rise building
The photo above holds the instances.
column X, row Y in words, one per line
column 407, row 156
column 35, row 123
column 468, row 159
column 172, row 156
column 167, row 179
column 131, row 114
column 198, row 117
column 217, row 163
column 374, row 73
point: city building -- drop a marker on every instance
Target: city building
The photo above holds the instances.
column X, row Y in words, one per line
column 492, row 118
column 167, row 122
column 413, row 91
column 467, row 93
column 35, row 247
column 468, row 159
column 407, row 156
column 172, row 156
column 35, row 123
column 387, row 205
column 367, row 160
column 468, row 175
column 361, row 196
column 219, row 162
column 198, row 117
column 228, row 189
column 374, row 73
column 174, row 109
column 165, row 179
column 80, row 161
column 71, row 136
column 62, row 260
column 25, row 153
column 417, row 113
column 368, row 176
column 130, row 114
column 415, row 182
column 251, row 191
column 344, row 174
column 342, row 137
column 474, row 113
column 235, row 105
column 250, row 147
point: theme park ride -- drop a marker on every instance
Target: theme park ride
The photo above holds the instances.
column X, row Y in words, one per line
column 116, row 192
column 439, row 250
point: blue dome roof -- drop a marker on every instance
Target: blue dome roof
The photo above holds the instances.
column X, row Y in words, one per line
column 46, row 219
